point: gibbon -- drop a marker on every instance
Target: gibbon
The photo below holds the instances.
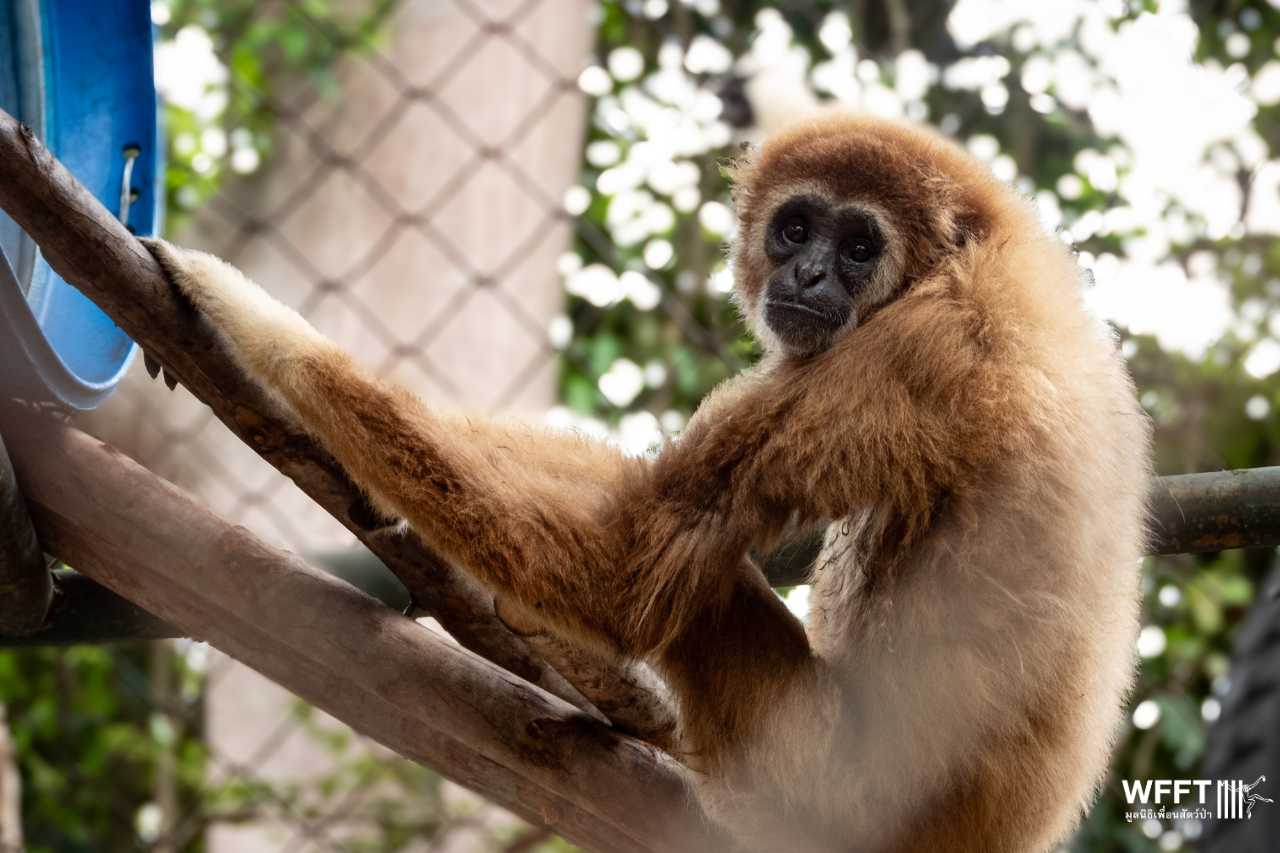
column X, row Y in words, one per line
column 934, row 390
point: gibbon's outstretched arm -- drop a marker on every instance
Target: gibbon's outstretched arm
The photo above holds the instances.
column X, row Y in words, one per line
column 645, row 560
column 618, row 551
column 533, row 513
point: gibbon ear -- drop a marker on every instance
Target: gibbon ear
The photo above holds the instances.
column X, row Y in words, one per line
column 741, row 172
column 740, row 169
column 970, row 224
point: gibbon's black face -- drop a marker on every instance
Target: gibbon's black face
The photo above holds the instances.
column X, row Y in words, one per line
column 823, row 257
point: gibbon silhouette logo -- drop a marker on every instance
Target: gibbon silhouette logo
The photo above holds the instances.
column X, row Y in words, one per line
column 1234, row 799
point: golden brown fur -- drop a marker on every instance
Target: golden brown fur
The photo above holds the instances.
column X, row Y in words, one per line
column 972, row 438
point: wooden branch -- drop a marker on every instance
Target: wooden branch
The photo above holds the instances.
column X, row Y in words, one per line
column 26, row 589
column 386, row 676
column 84, row 611
column 1190, row 513
column 85, row 244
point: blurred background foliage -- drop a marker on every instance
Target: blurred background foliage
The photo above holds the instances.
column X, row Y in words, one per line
column 91, row 745
column 1147, row 133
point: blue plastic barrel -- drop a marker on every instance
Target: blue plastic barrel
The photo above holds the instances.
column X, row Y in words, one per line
column 80, row 73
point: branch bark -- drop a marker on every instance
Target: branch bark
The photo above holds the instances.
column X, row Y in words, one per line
column 85, row 611
column 383, row 674
column 26, row 589
column 85, row 244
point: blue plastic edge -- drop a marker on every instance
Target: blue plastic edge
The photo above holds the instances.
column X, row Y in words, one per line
column 100, row 96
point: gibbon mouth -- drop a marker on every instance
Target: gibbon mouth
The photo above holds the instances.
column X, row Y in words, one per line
column 801, row 326
column 778, row 305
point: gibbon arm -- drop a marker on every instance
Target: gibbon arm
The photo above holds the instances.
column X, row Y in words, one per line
column 646, row 559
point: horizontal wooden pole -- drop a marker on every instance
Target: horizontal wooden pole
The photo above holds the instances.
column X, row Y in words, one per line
column 85, row 611
column 383, row 674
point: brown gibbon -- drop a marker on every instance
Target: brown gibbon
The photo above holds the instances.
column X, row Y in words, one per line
column 933, row 390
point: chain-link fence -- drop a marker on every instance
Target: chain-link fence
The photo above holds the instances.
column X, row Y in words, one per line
column 414, row 215
column 417, row 200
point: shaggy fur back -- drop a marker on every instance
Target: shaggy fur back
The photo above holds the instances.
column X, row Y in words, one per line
column 977, row 667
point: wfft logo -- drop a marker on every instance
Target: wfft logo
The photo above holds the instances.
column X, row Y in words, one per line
column 1233, row 799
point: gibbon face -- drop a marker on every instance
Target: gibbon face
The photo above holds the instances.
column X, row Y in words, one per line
column 824, row 258
column 838, row 216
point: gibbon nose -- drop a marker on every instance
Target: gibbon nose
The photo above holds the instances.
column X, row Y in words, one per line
column 808, row 277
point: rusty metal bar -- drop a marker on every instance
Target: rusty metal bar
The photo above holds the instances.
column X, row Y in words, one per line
column 1217, row 511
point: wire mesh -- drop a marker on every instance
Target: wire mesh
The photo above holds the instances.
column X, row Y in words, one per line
column 414, row 213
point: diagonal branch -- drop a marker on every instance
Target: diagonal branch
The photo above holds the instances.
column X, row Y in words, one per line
column 387, row 677
column 92, row 250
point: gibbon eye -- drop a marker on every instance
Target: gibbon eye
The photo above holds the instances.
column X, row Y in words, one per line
column 795, row 231
column 859, row 251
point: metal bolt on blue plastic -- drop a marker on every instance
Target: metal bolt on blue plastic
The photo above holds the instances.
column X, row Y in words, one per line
column 79, row 72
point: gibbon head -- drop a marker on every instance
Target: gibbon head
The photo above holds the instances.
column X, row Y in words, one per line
column 839, row 215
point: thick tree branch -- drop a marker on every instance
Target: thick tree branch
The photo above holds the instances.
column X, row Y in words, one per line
column 93, row 251
column 1189, row 513
column 381, row 673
